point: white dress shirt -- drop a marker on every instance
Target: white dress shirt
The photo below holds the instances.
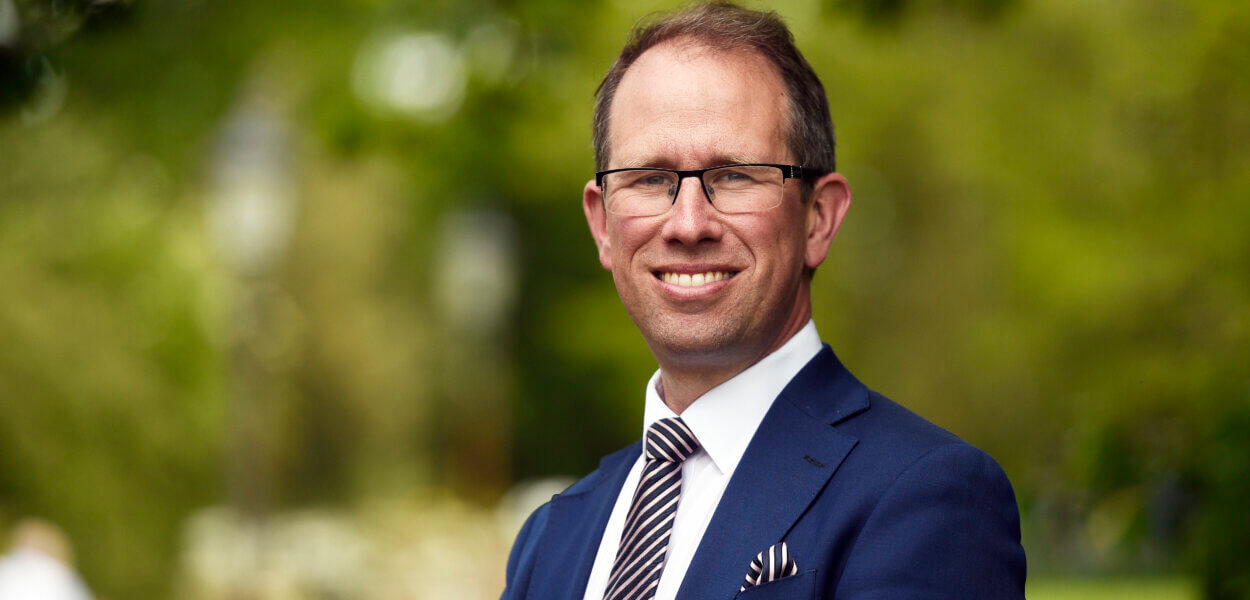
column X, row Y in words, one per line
column 723, row 420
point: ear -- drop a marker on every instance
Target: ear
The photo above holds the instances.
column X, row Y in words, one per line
column 831, row 198
column 597, row 219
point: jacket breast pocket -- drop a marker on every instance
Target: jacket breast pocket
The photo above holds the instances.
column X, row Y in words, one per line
column 800, row 585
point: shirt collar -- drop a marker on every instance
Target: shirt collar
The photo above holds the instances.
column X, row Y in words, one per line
column 725, row 418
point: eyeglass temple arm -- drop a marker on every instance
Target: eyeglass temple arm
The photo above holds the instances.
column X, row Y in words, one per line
column 797, row 172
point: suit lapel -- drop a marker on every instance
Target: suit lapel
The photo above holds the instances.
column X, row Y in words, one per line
column 578, row 518
column 788, row 462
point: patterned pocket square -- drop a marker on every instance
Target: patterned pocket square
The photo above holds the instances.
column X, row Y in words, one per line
column 773, row 563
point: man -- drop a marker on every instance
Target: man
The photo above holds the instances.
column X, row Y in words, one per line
column 768, row 470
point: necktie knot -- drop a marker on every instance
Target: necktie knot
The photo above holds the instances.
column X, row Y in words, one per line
column 670, row 440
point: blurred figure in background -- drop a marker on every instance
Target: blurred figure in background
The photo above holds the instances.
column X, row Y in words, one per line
column 39, row 565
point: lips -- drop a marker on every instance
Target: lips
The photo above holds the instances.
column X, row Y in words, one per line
column 693, row 279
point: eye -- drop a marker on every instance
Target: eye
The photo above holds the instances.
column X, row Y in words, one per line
column 732, row 177
column 654, row 179
column 641, row 180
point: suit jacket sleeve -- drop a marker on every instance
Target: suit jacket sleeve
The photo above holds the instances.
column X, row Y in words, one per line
column 947, row 527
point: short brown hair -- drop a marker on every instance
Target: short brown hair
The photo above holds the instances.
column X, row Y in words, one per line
column 724, row 25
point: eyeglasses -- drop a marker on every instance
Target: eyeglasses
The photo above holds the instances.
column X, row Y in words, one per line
column 649, row 191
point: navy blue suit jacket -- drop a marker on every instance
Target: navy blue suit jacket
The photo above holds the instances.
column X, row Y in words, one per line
column 874, row 502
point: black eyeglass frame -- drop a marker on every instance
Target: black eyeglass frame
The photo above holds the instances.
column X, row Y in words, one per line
column 787, row 172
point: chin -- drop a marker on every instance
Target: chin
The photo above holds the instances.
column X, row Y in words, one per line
column 694, row 341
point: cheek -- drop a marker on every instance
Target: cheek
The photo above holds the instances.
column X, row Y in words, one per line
column 628, row 236
column 783, row 244
column 774, row 238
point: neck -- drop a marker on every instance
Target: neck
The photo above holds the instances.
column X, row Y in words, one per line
column 679, row 391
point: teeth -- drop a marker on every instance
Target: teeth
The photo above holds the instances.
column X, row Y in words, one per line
column 688, row 280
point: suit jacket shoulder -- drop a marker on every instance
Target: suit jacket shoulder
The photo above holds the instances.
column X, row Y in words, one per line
column 556, row 547
column 873, row 500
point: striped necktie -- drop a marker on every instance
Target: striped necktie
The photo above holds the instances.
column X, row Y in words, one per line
column 640, row 557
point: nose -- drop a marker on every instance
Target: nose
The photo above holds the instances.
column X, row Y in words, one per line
column 692, row 218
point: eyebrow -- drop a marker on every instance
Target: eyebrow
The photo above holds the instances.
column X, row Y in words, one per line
column 663, row 162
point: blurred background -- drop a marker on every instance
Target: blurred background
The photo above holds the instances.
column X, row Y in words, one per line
column 298, row 299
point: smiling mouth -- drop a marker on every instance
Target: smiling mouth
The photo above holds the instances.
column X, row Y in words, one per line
column 695, row 279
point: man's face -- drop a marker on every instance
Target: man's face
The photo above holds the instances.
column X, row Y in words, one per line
column 683, row 106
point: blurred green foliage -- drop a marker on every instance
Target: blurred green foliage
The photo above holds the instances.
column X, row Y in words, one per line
column 1144, row 588
column 1046, row 255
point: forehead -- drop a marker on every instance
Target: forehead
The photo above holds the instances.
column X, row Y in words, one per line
column 691, row 105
